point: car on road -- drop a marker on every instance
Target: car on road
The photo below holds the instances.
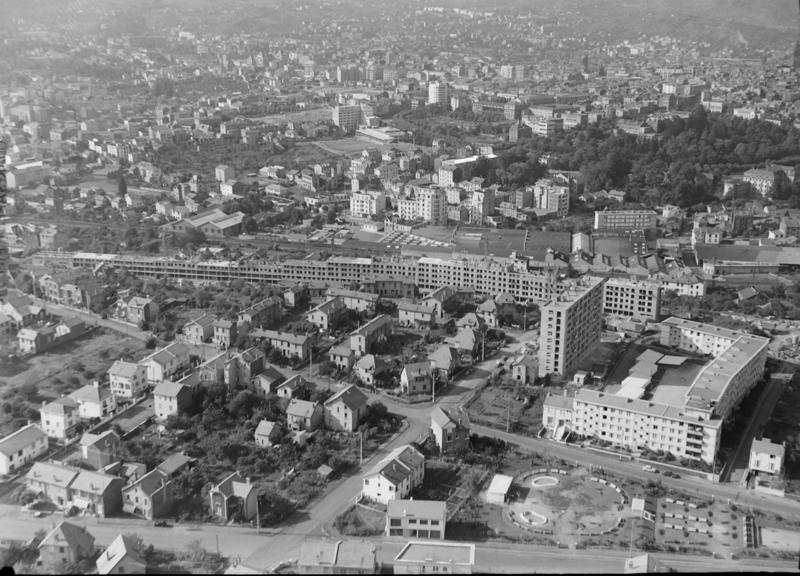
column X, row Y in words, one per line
column 648, row 468
column 162, row 524
column 671, row 474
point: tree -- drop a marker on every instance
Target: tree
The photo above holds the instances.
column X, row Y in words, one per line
column 122, row 185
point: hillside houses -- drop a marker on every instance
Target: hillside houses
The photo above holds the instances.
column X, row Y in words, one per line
column 395, row 476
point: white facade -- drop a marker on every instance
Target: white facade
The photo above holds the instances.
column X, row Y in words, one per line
column 126, row 379
column 570, row 326
column 438, row 93
column 364, row 204
column 20, row 447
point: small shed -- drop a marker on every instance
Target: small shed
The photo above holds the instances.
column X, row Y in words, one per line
column 325, row 471
column 498, row 489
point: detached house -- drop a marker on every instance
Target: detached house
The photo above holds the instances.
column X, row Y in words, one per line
column 171, row 398
column 488, row 311
column 445, row 360
column 291, row 387
column 440, row 298
column 288, row 344
column 225, row 333
column 234, row 499
column 394, row 477
column 363, row 339
column 262, row 433
column 345, row 409
column 327, row 313
column 368, row 367
column 417, row 378
column 64, row 545
column 150, row 496
column 200, row 329
column 20, row 447
column 450, row 432
column 52, row 480
column 94, row 401
column 166, row 363
column 126, row 379
column 139, row 310
column 303, row 415
column 60, row 417
column 121, row 557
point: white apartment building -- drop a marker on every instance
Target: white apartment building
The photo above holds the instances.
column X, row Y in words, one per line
column 348, row 118
column 634, row 298
column 570, row 326
column 737, row 366
column 640, row 424
column 438, row 93
column 549, row 198
column 761, row 180
column 481, row 205
column 624, row 219
column 428, row 204
column 367, row 203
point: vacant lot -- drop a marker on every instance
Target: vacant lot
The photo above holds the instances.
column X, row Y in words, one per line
column 509, row 404
column 60, row 370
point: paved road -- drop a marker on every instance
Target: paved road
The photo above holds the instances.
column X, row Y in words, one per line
column 232, row 541
column 500, row 557
column 691, row 485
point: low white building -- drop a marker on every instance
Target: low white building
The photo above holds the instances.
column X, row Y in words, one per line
column 22, row 446
column 767, row 456
column 498, row 489
column 94, row 401
column 126, row 379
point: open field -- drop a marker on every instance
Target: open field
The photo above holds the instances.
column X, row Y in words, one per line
column 61, row 370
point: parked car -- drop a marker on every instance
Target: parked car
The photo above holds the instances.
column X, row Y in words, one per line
column 648, row 468
column 162, row 524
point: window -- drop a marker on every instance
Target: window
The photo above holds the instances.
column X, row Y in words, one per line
column 395, row 522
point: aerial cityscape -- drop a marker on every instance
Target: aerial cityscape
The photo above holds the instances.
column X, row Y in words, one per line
column 408, row 287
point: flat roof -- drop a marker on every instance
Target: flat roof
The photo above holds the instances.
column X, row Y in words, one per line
column 641, row 407
column 500, row 484
column 438, row 553
column 423, row 508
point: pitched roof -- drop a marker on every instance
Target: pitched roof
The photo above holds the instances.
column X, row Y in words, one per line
column 90, row 393
column 351, row 396
column 123, row 369
column 93, row 482
column 20, row 439
column 443, row 418
column 416, row 368
column 51, row 473
column 169, row 389
column 444, row 356
column 104, row 439
column 264, row 428
column 174, row 462
column 151, row 482
column 68, row 534
column 120, row 548
column 301, row 408
column 60, row 406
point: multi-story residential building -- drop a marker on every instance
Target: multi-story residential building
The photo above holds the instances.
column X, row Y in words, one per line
column 428, row 557
column 60, row 418
column 416, row 519
column 22, row 446
column 481, row 205
column 348, row 118
column 223, row 173
column 550, row 198
column 547, row 126
column 354, row 300
column 450, row 431
column 225, row 333
column 96, row 493
column 304, row 415
column 737, row 366
column 637, row 299
column 761, row 180
column 150, row 496
column 288, row 344
column 412, row 314
column 438, row 93
column 262, row 313
column 367, row 203
column 394, row 477
column 166, row 363
column 690, row 429
column 365, row 337
column 345, row 409
column 428, row 204
column 570, row 326
column 126, row 379
column 199, row 330
column 53, row 480
column 417, row 378
column 94, row 401
column 625, row 219
column 327, row 313
column 171, row 398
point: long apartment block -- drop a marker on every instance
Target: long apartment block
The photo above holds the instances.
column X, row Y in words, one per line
column 690, row 428
column 486, row 275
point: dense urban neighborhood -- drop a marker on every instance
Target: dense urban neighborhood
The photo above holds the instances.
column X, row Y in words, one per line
column 348, row 287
